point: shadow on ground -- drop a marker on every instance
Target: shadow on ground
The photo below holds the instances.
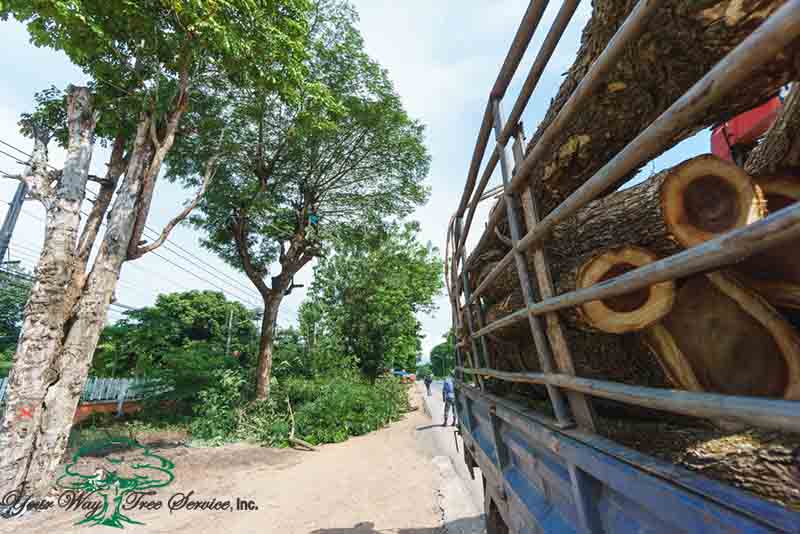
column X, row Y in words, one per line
column 459, row 526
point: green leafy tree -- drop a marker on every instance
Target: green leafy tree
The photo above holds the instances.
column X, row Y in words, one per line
column 15, row 286
column 443, row 356
column 332, row 163
column 150, row 62
column 370, row 293
column 180, row 341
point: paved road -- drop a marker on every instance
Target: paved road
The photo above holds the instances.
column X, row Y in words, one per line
column 462, row 497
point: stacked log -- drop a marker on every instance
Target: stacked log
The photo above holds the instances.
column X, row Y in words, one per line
column 775, row 167
column 709, row 332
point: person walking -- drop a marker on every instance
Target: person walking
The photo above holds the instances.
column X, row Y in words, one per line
column 428, row 381
column 449, row 398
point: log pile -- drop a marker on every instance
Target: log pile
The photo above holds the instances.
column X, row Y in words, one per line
column 724, row 331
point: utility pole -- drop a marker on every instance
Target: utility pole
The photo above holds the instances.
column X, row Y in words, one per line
column 11, row 218
column 230, row 323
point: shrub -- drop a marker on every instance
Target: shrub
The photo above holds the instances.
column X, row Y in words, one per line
column 325, row 410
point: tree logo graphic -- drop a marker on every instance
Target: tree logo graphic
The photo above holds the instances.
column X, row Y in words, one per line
column 127, row 467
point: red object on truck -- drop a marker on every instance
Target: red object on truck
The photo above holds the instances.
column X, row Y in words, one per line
column 744, row 129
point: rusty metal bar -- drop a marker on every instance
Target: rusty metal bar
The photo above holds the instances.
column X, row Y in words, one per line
column 631, row 29
column 474, row 355
column 530, row 21
column 581, row 408
column 542, row 59
column 765, row 413
column 774, row 34
column 732, row 247
column 542, row 346
column 765, row 42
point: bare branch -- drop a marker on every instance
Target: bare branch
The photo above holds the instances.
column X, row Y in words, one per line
column 211, row 168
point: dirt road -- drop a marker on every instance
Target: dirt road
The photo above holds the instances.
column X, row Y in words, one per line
column 395, row 480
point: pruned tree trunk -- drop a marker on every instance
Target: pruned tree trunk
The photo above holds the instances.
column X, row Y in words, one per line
column 36, row 368
column 780, row 149
column 683, row 42
column 679, row 207
column 689, row 203
column 67, row 308
column 775, row 165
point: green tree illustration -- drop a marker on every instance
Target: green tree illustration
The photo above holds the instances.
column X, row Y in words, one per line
column 133, row 468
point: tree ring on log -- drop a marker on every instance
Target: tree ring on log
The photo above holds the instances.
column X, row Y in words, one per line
column 707, row 196
column 631, row 311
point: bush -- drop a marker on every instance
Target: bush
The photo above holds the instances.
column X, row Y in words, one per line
column 346, row 408
column 325, row 410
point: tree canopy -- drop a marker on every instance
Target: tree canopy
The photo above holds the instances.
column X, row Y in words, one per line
column 369, row 294
column 295, row 174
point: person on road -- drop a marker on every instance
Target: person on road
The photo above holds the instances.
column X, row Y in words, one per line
column 449, row 398
column 428, row 382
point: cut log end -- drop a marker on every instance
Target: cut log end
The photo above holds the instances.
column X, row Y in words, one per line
column 707, row 196
column 631, row 311
column 723, row 338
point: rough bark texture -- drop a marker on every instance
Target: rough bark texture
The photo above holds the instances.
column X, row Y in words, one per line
column 775, row 165
column 683, row 42
column 36, row 369
column 780, row 149
column 67, row 309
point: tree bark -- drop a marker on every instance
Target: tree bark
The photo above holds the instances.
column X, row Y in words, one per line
column 264, row 371
column 35, row 368
column 779, row 151
column 683, row 42
column 678, row 207
column 58, row 341
column 775, row 165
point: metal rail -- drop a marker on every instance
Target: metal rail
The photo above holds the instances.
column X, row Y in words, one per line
column 766, row 42
column 767, row 413
column 774, row 34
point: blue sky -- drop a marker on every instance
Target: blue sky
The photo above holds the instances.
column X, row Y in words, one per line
column 443, row 57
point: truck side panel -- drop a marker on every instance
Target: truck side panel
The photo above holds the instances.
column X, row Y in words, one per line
column 528, row 467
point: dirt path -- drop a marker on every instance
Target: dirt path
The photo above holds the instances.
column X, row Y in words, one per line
column 382, row 482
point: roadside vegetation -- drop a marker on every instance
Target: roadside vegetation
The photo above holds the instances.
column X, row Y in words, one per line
column 295, row 150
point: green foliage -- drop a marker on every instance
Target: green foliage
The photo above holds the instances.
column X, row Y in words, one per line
column 326, row 410
column 369, row 294
column 14, row 291
column 190, row 325
column 179, row 342
column 343, row 409
column 443, row 356
column 345, row 155
column 129, row 47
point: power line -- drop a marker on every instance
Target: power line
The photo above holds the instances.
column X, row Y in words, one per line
column 231, row 282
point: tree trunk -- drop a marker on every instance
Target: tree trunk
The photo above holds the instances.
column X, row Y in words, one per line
column 683, row 42
column 36, row 368
column 264, row 372
column 780, row 149
column 48, row 377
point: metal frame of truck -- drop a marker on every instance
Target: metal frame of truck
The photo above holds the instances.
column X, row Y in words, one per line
column 556, row 474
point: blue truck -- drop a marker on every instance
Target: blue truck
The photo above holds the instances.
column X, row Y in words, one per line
column 550, row 469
